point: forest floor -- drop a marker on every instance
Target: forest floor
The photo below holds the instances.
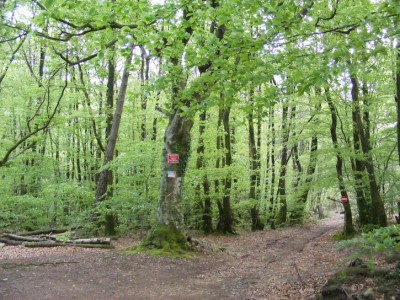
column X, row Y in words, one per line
column 288, row 263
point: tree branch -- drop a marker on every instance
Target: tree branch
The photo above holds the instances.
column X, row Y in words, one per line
column 7, row 155
column 3, row 75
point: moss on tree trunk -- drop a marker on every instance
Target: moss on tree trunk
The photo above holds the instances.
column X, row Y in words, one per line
column 166, row 237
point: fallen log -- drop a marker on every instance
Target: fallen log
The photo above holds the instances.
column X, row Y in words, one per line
column 43, row 244
column 100, row 246
column 22, row 238
column 44, row 232
column 55, row 244
column 10, row 242
column 27, row 265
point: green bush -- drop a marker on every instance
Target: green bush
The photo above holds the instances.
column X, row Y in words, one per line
column 385, row 240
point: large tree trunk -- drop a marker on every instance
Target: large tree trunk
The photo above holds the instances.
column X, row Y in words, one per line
column 176, row 141
column 348, row 228
column 106, row 175
column 167, row 233
column 377, row 210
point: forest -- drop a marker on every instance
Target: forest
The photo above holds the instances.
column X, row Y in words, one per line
column 212, row 115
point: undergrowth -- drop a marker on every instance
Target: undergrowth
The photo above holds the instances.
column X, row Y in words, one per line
column 384, row 240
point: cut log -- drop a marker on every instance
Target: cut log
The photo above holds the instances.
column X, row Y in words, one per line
column 106, row 241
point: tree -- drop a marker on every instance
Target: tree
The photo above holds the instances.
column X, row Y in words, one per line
column 377, row 210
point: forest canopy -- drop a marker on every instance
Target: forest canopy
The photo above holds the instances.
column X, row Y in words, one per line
column 215, row 114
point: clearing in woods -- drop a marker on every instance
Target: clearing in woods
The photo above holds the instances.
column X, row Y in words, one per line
column 289, row 263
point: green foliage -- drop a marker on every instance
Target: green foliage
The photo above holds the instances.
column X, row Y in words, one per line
column 384, row 240
column 269, row 48
column 25, row 212
column 64, row 237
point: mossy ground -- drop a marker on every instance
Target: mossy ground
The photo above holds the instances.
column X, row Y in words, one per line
column 164, row 240
column 343, row 237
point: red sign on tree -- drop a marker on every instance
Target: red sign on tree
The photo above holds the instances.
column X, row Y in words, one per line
column 173, row 158
column 345, row 199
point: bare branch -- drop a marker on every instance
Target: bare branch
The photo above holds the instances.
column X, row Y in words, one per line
column 12, row 59
column 81, row 60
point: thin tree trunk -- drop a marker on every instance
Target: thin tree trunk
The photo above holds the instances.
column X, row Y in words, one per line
column 312, row 166
column 272, row 207
column 105, row 175
column 348, row 228
column 200, row 165
column 397, row 97
column 257, row 224
column 226, row 215
column 281, row 215
column 155, row 119
column 144, row 77
column 358, row 167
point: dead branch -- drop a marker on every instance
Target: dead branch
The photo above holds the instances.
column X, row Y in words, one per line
column 303, row 284
column 27, row 265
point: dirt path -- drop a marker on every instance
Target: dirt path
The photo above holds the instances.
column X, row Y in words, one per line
column 291, row 263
